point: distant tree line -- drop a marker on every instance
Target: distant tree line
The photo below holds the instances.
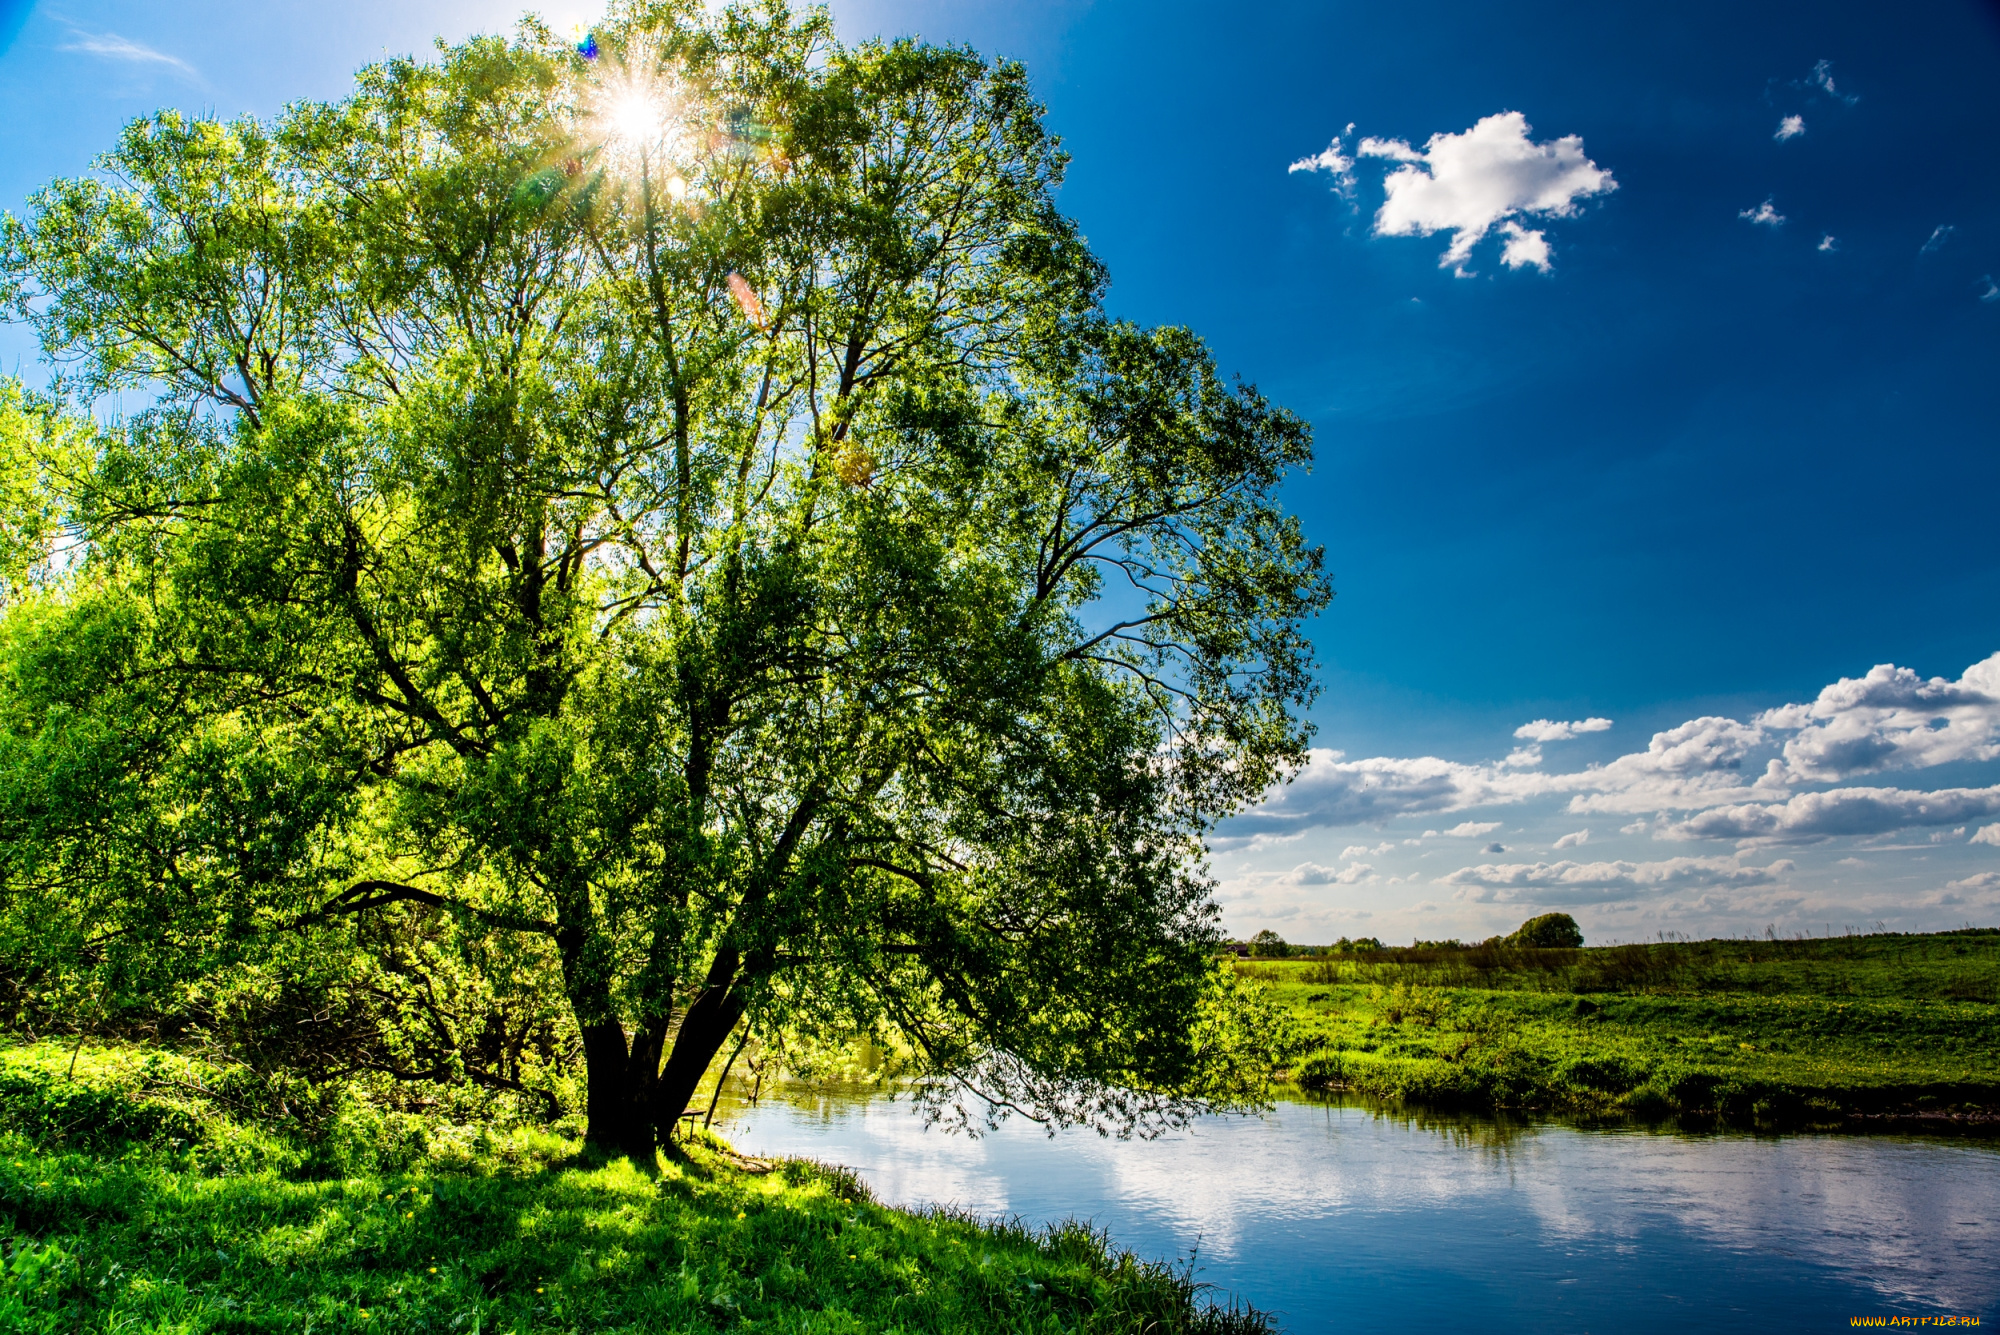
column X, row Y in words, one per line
column 1549, row 931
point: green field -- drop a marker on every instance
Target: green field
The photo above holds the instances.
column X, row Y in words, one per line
column 1856, row 1031
column 142, row 1192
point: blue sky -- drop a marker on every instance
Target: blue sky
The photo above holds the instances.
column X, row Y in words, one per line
column 1721, row 436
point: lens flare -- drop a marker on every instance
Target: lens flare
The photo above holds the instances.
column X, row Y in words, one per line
column 746, row 299
column 639, row 119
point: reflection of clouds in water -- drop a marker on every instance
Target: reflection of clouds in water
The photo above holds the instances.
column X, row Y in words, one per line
column 1298, row 1163
column 1914, row 1221
column 1287, row 1194
column 902, row 1161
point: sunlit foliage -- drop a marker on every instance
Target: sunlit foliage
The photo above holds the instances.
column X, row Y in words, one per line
column 612, row 551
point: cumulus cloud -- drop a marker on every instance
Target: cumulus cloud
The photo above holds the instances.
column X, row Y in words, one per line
column 1332, row 790
column 1586, row 882
column 1548, row 730
column 1495, row 847
column 1810, row 817
column 1991, row 292
column 1938, row 237
column 1696, row 764
column 1791, row 127
column 1395, row 149
column 1524, row 248
column 1985, row 880
column 1891, row 719
column 1887, row 720
column 111, row 46
column 1470, row 183
column 1827, row 244
column 1765, row 214
column 1311, row 873
column 1575, row 840
column 1986, row 834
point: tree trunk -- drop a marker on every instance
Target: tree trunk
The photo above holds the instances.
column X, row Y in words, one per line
column 615, row 1099
column 705, row 1028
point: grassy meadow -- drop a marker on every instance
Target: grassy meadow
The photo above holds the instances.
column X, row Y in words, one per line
column 1854, row 1031
column 144, row 1192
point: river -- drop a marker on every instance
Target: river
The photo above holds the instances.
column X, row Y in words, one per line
column 1341, row 1217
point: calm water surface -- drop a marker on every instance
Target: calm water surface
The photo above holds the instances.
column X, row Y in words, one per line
column 1344, row 1218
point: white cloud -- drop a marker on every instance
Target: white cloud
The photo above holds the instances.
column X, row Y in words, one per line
column 1362, row 850
column 1985, row 880
column 1576, row 840
column 113, row 47
column 1585, row 882
column 1311, row 873
column 1523, row 247
column 1765, row 214
column 1891, row 719
column 1937, row 239
column 1791, row 127
column 1992, row 292
column 1548, row 730
column 1469, row 183
column 1696, row 764
column 1331, row 790
column 1986, row 834
column 1397, row 149
column 1827, row 244
column 1810, row 817
column 1331, row 160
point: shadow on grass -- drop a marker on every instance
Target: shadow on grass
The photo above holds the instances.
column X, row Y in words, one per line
column 157, row 1230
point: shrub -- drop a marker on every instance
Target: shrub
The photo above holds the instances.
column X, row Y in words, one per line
column 1325, row 1069
column 1607, row 1075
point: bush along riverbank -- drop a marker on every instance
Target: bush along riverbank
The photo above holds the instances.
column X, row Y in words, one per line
column 144, row 1191
column 1888, row 1031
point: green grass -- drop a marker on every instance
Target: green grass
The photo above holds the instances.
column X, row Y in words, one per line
column 1841, row 1030
column 138, row 1196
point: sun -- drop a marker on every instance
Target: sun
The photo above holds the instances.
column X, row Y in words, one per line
column 634, row 115
column 639, row 118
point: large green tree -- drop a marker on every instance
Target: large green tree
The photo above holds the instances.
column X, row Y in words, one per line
column 679, row 507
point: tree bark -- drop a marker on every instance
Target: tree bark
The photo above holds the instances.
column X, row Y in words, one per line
column 705, row 1028
column 614, row 1106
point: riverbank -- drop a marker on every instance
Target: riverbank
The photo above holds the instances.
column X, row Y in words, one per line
column 1881, row 1031
column 141, row 1190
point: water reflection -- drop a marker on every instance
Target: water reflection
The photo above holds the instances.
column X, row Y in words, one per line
column 1356, row 1218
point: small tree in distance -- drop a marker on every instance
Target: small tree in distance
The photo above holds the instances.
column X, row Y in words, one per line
column 675, row 515
column 1550, row 931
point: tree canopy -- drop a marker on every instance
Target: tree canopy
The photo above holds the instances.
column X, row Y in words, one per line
column 671, row 520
